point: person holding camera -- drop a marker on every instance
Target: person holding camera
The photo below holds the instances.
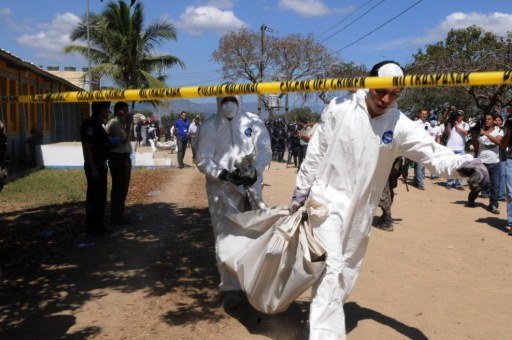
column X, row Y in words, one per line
column 457, row 130
column 120, row 163
column 488, row 150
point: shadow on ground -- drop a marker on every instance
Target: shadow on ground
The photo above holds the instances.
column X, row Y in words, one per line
column 50, row 270
column 49, row 267
column 293, row 323
column 355, row 313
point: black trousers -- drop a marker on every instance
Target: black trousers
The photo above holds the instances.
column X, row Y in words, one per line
column 96, row 198
column 302, row 154
column 182, row 148
column 120, row 170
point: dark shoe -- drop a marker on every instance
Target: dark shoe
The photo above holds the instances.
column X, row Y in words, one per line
column 494, row 210
column 121, row 221
column 95, row 233
column 385, row 223
column 385, row 227
column 510, row 233
column 448, row 186
column 421, row 187
column 181, row 166
column 231, row 299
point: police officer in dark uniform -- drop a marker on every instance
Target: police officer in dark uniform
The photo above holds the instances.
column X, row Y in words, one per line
column 279, row 136
column 386, row 200
column 96, row 149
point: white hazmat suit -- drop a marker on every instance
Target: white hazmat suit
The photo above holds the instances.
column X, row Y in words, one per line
column 221, row 143
column 348, row 161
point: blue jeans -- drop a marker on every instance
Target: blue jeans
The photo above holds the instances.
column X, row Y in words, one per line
column 493, row 187
column 450, row 182
column 508, row 184
column 502, row 193
column 419, row 174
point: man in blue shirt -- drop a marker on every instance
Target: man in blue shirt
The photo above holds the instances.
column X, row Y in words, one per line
column 181, row 131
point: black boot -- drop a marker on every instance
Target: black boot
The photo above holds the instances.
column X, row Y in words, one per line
column 386, row 222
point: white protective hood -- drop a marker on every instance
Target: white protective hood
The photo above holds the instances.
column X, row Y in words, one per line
column 235, row 113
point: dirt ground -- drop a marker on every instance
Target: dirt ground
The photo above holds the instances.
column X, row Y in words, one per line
column 444, row 273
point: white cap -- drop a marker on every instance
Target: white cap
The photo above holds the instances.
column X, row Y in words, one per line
column 390, row 70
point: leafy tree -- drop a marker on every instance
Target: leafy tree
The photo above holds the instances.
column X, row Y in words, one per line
column 293, row 57
column 123, row 47
column 341, row 70
column 463, row 50
column 239, row 55
column 295, row 113
column 168, row 119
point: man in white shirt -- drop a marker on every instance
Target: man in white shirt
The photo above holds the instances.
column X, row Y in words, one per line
column 192, row 135
column 457, row 130
column 419, row 170
column 435, row 132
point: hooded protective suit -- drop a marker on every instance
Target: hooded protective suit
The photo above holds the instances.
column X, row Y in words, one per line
column 221, row 143
column 348, row 162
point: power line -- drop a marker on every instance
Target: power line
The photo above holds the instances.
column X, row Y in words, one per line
column 353, row 21
column 343, row 20
column 384, row 24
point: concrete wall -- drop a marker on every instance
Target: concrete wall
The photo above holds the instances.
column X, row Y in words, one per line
column 69, row 155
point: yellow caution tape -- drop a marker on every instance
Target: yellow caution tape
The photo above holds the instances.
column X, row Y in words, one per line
column 315, row 85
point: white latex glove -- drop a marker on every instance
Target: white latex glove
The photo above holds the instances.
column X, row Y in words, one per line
column 298, row 200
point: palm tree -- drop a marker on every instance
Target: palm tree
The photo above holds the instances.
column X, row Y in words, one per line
column 123, row 49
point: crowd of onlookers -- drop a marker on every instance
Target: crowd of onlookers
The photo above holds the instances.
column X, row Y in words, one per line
column 482, row 136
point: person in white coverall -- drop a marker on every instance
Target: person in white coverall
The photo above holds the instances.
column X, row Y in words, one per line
column 223, row 141
column 348, row 162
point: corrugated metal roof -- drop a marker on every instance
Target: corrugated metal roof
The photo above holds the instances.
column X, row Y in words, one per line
column 23, row 64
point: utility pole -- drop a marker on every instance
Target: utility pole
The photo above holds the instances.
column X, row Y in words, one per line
column 286, row 105
column 89, row 74
column 263, row 29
